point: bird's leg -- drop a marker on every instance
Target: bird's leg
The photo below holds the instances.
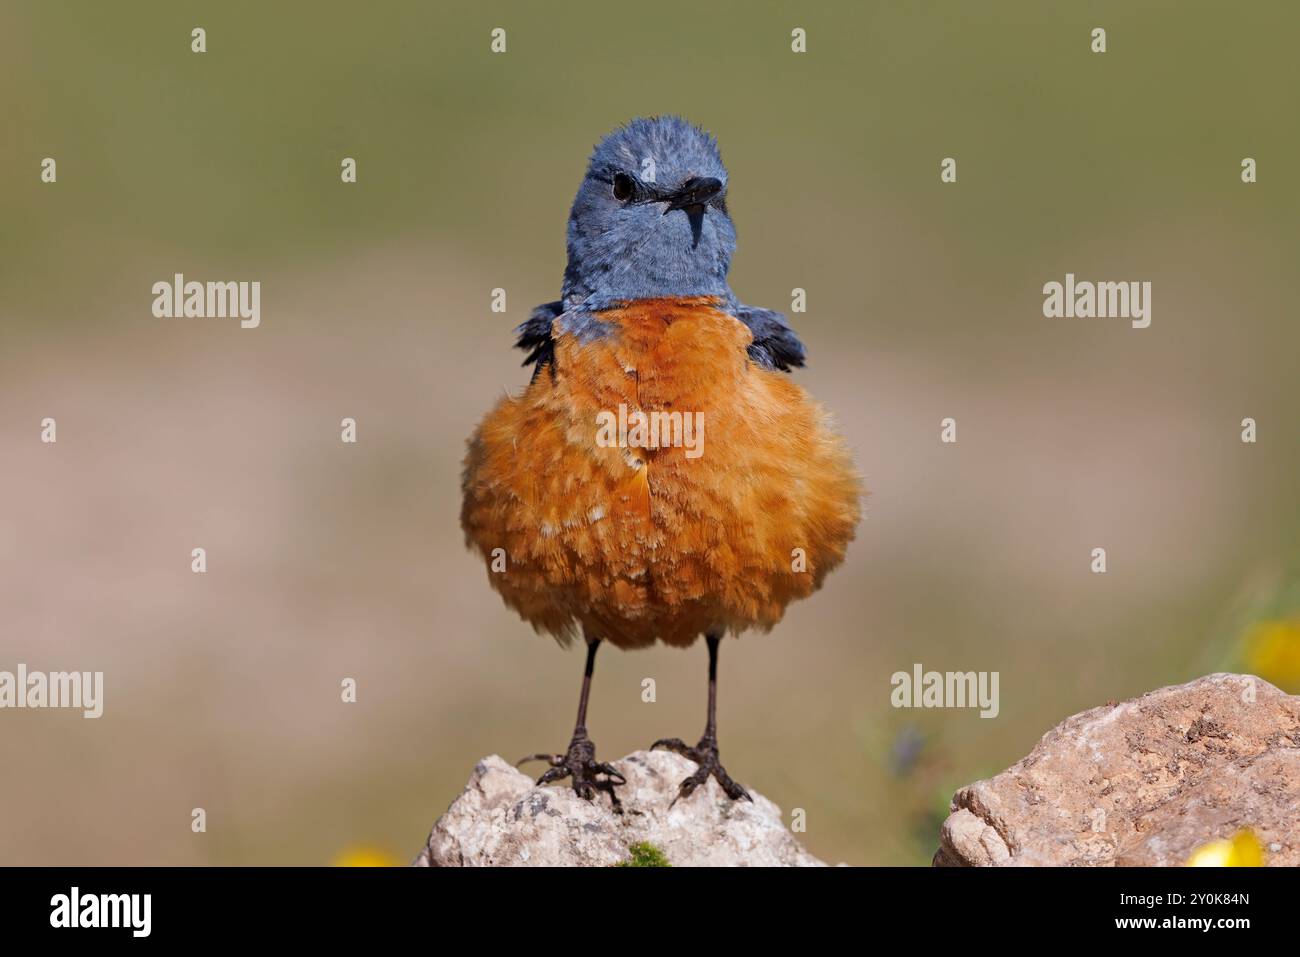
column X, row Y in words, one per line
column 705, row 754
column 579, row 762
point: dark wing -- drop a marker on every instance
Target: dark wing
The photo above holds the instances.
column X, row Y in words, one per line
column 775, row 344
column 535, row 335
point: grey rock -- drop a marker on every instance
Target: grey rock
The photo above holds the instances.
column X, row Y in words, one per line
column 504, row 819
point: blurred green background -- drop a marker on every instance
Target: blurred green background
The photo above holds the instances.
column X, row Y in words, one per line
column 327, row 560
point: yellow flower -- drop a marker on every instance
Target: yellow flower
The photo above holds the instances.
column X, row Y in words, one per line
column 1241, row 850
column 1273, row 652
column 364, row 856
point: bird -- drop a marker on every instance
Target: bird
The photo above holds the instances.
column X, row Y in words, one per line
column 592, row 525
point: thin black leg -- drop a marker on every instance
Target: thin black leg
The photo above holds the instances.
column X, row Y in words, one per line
column 705, row 753
column 579, row 762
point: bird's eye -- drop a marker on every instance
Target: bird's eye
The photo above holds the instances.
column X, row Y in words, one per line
column 624, row 187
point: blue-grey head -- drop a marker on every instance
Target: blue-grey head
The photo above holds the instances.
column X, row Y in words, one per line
column 650, row 218
column 650, row 221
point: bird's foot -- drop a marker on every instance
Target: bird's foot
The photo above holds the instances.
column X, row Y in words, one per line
column 580, row 763
column 705, row 754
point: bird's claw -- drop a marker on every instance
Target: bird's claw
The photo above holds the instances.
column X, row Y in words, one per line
column 610, row 771
column 705, row 754
column 672, row 744
column 552, row 759
column 580, row 763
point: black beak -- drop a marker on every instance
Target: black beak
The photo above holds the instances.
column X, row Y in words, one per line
column 693, row 192
column 693, row 197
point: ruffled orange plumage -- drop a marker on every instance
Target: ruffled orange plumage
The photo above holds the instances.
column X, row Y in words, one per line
column 633, row 544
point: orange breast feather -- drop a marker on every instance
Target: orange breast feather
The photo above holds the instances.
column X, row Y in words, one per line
column 635, row 543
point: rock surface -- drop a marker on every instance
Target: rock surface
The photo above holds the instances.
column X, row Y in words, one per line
column 1144, row 782
column 503, row 818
